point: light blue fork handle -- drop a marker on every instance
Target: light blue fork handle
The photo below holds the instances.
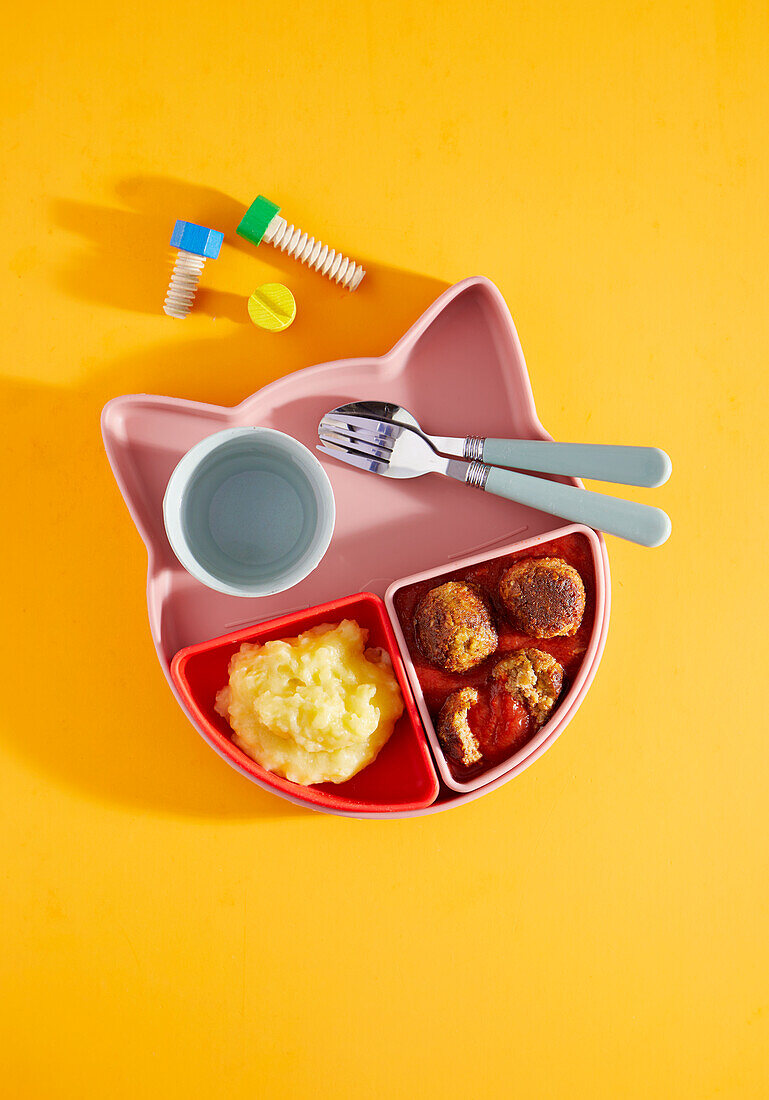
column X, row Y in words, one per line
column 636, row 522
column 647, row 466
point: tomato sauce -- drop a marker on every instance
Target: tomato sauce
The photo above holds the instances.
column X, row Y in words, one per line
column 501, row 723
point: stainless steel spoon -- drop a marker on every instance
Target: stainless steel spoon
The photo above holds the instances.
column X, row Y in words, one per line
column 645, row 466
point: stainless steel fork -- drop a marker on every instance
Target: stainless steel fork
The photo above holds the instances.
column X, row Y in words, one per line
column 393, row 450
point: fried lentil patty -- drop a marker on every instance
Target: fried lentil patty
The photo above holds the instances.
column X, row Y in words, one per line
column 533, row 677
column 453, row 627
column 544, row 597
column 454, row 733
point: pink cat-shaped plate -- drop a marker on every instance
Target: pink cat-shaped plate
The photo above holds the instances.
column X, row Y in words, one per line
column 461, row 371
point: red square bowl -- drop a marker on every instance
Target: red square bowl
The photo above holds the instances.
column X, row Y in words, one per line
column 401, row 778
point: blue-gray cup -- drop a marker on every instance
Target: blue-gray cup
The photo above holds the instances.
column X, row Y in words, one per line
column 249, row 511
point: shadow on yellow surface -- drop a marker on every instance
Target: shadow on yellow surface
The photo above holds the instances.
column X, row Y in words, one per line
column 123, row 259
column 91, row 704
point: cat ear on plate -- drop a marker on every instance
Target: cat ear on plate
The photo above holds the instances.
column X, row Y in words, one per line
column 465, row 339
column 145, row 437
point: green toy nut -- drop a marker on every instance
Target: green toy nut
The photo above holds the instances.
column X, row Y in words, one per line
column 256, row 219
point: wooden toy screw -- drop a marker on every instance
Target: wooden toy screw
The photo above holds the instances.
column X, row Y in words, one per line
column 262, row 222
column 196, row 244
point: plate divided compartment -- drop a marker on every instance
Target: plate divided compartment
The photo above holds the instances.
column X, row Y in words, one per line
column 461, row 371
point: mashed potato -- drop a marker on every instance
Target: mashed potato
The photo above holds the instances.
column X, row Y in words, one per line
column 315, row 709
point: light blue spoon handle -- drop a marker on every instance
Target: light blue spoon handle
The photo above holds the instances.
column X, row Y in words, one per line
column 636, row 522
column 647, row 466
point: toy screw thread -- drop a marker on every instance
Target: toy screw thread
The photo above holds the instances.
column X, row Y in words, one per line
column 184, row 283
column 315, row 254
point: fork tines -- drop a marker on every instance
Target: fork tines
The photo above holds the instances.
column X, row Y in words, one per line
column 374, row 447
column 366, row 426
column 352, row 458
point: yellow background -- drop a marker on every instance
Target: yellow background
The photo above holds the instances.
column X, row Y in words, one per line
column 597, row 928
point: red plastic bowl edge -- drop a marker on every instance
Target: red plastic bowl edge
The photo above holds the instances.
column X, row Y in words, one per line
column 243, row 761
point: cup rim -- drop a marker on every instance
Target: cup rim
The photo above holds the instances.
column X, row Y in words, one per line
column 180, row 479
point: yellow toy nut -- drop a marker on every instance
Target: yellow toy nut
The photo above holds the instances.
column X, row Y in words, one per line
column 272, row 307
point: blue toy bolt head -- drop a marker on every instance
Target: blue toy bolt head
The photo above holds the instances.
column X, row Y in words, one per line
column 197, row 239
